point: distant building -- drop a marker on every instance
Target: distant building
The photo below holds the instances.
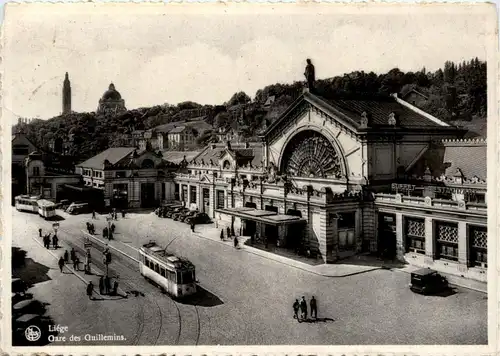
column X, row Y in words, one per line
column 415, row 97
column 21, row 148
column 270, row 101
column 111, row 102
column 66, row 95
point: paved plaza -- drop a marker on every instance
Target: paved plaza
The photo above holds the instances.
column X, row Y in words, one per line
column 246, row 298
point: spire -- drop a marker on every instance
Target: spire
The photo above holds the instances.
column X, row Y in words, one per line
column 66, row 109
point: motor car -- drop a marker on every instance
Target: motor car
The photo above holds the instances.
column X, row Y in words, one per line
column 176, row 216
column 173, row 211
column 186, row 215
column 80, row 208
column 427, row 281
column 199, row 218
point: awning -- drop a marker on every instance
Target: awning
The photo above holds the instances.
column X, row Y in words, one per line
column 263, row 216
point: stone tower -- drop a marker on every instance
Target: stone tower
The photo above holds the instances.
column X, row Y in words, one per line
column 66, row 95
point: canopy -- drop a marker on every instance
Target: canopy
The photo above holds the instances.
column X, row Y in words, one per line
column 263, row 216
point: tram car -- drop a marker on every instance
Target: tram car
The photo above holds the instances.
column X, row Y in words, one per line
column 26, row 203
column 175, row 275
column 46, row 208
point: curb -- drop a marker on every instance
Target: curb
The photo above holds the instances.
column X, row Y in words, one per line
column 249, row 249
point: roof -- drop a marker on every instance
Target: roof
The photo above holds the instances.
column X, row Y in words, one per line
column 415, row 92
column 468, row 156
column 178, row 156
column 423, row 271
column 113, row 155
column 253, row 155
column 151, row 248
column 198, row 123
column 178, row 129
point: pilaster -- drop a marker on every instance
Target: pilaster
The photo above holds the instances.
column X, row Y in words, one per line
column 188, row 201
column 400, row 250
column 430, row 244
column 463, row 244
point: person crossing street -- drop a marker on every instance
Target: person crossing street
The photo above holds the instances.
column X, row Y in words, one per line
column 61, row 264
column 314, row 308
column 296, row 310
column 90, row 290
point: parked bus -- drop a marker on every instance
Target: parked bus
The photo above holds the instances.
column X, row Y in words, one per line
column 46, row 208
column 27, row 203
column 174, row 275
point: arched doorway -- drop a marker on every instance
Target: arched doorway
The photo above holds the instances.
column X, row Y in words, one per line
column 310, row 154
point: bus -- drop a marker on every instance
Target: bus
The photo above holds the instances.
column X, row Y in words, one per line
column 27, row 203
column 46, row 208
column 174, row 275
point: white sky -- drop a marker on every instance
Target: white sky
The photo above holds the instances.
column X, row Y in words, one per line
column 204, row 53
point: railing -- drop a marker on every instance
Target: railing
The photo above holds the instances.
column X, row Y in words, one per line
column 428, row 201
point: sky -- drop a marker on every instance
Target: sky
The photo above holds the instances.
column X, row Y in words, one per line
column 157, row 54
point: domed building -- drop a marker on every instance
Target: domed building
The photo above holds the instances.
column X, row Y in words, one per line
column 111, row 102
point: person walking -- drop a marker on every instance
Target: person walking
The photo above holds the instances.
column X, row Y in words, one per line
column 66, row 256
column 72, row 255
column 192, row 226
column 228, row 231
column 61, row 264
column 90, row 290
column 113, row 227
column 115, row 288
column 235, row 242
column 222, row 235
column 105, row 232
column 40, row 232
column 93, row 214
column 101, row 285
column 107, row 285
column 76, row 264
column 303, row 308
column 296, row 310
column 314, row 308
column 55, row 240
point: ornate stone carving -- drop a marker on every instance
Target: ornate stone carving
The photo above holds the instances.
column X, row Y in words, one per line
column 428, row 201
column 392, row 119
column 399, row 199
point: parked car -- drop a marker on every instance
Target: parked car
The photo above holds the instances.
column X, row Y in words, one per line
column 176, row 216
column 186, row 215
column 427, row 281
column 173, row 211
column 64, row 204
column 80, row 208
column 199, row 218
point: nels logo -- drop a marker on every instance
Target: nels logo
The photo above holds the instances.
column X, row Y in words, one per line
column 33, row 333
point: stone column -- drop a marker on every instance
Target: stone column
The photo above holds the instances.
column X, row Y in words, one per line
column 463, row 246
column 327, row 229
column 358, row 227
column 430, row 243
column 400, row 247
column 212, row 201
column 188, row 198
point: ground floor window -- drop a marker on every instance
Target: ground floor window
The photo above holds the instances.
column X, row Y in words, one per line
column 415, row 235
column 447, row 240
column 478, row 236
column 271, row 208
column 250, row 205
column 346, row 226
column 192, row 198
column 294, row 212
column 184, row 193
column 176, row 192
column 220, row 199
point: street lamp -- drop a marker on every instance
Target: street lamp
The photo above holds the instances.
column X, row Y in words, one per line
column 108, row 219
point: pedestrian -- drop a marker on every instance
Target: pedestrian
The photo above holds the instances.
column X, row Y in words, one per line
column 40, row 232
column 116, row 215
column 123, row 213
column 93, row 214
column 228, row 231
column 314, row 308
column 72, row 254
column 113, row 228
column 76, row 264
column 101, row 285
column 107, row 285
column 88, row 226
column 235, row 242
column 66, row 256
column 303, row 308
column 105, row 232
column 55, row 241
column 296, row 310
column 90, row 290
column 110, row 235
column 192, row 226
column 222, row 234
column 115, row 287
column 61, row 264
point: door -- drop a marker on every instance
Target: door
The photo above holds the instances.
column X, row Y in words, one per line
column 206, row 200
column 387, row 235
column 148, row 195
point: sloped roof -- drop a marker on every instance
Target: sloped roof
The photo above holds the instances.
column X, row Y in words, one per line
column 113, row 155
column 178, row 129
column 254, row 153
column 178, row 156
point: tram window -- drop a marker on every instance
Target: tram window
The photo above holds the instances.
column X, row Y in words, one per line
column 187, row 277
column 179, row 278
column 157, row 268
column 171, row 276
column 162, row 272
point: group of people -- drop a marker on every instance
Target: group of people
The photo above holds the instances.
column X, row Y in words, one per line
column 47, row 239
column 108, row 233
column 64, row 259
column 302, row 306
column 105, row 286
column 229, row 236
column 90, row 228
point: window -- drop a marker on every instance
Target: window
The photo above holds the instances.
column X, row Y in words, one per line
column 36, row 171
column 345, row 226
column 176, row 192
column 184, row 193
column 121, row 174
column 475, row 197
column 447, row 241
column 187, row 277
column 179, row 277
column 157, row 268
column 162, row 272
column 147, row 164
column 479, row 245
column 20, row 150
column 171, row 276
column 271, row 208
column 415, row 235
column 226, row 165
column 220, row 199
column 193, row 195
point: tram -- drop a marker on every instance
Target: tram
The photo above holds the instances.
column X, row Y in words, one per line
column 27, row 203
column 174, row 275
column 46, row 208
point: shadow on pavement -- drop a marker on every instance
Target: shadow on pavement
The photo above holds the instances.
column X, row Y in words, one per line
column 448, row 292
column 373, row 261
column 316, row 320
column 56, row 218
column 202, row 298
column 29, row 271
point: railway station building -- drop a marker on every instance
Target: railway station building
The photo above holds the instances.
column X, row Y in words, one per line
column 345, row 176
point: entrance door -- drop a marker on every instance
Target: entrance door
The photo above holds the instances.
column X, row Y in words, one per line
column 250, row 227
column 148, row 195
column 271, row 234
column 206, row 200
column 387, row 235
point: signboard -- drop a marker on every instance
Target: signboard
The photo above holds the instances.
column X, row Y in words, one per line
column 107, row 202
column 432, row 188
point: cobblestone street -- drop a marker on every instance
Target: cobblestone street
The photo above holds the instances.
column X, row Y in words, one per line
column 254, row 294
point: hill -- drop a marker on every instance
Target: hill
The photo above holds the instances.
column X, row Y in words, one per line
column 455, row 93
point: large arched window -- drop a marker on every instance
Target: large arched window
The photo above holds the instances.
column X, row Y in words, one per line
column 310, row 154
column 226, row 165
column 147, row 164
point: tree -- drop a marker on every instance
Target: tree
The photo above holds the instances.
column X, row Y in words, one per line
column 239, row 98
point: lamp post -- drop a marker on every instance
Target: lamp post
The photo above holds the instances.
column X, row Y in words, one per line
column 108, row 219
